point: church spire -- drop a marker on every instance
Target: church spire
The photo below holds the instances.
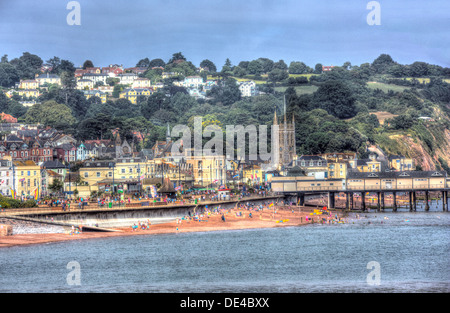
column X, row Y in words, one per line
column 275, row 119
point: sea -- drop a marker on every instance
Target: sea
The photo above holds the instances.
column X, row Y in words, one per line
column 376, row 252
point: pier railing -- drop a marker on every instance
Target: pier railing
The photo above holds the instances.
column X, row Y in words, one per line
column 373, row 188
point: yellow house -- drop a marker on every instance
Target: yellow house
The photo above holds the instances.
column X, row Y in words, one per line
column 29, row 93
column 27, row 177
column 29, row 84
column 337, row 169
column 141, row 82
column 401, row 163
column 85, row 83
column 208, row 169
column 95, row 171
column 177, row 173
column 48, row 78
column 252, row 174
column 133, row 94
column 95, row 93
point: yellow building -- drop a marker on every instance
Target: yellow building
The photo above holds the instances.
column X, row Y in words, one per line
column 252, row 174
column 128, row 174
column 95, row 171
column 141, row 82
column 29, row 93
column 85, row 84
column 48, row 78
column 95, row 93
column 27, row 178
column 401, row 163
column 133, row 94
column 208, row 170
column 367, row 165
column 337, row 169
column 29, row 84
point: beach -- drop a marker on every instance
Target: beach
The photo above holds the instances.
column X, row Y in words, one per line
column 234, row 219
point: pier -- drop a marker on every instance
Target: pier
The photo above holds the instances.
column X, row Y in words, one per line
column 378, row 185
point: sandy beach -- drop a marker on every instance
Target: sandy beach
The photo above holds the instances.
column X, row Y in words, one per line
column 234, row 219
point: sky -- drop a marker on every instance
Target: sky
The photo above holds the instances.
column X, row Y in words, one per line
column 329, row 32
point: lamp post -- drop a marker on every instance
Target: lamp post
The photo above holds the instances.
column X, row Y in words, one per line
column 14, row 178
column 210, row 175
column 112, row 166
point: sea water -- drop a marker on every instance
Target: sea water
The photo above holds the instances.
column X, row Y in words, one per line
column 411, row 249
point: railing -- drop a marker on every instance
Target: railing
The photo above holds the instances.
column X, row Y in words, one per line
column 92, row 206
column 368, row 188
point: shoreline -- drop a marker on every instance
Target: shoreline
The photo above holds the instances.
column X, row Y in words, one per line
column 210, row 222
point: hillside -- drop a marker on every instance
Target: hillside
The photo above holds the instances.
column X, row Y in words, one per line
column 403, row 109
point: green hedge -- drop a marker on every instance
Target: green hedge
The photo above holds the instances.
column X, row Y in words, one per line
column 6, row 203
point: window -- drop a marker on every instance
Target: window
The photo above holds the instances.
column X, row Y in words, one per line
column 86, row 174
column 98, row 174
column 123, row 171
column 109, row 174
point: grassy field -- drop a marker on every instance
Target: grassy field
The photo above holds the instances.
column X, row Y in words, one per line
column 386, row 87
column 303, row 75
column 426, row 80
column 382, row 116
column 258, row 82
column 307, row 89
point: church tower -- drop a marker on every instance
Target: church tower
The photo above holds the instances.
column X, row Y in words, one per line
column 286, row 139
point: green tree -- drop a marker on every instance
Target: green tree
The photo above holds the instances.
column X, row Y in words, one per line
column 318, row 68
column 56, row 186
column 267, row 64
column 157, row 63
column 277, row 75
column 143, row 63
column 177, row 57
column 280, row 65
column 382, row 64
column 87, row 63
column 208, row 65
column 9, row 75
column 50, row 113
column 299, row 68
column 255, row 67
column 336, row 98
